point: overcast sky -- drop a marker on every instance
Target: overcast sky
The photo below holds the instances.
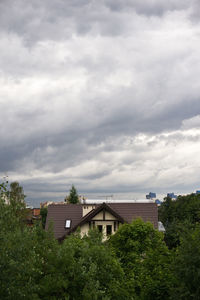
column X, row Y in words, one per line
column 104, row 94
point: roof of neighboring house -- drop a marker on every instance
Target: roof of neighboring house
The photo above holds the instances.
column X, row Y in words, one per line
column 130, row 211
column 36, row 212
column 124, row 212
column 33, row 214
column 58, row 214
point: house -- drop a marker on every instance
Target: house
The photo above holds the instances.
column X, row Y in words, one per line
column 107, row 217
column 33, row 215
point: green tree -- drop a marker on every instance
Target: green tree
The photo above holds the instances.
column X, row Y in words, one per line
column 16, row 192
column 14, row 201
column 177, row 216
column 145, row 260
column 186, row 266
column 73, row 196
column 27, row 254
column 167, row 211
column 43, row 213
column 15, row 270
column 92, row 270
column 34, row 266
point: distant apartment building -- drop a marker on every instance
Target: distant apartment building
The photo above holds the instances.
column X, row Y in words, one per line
column 151, row 195
column 172, row 196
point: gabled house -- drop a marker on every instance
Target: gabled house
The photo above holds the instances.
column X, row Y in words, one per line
column 107, row 217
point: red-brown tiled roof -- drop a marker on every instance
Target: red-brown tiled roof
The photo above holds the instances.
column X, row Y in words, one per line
column 36, row 211
column 130, row 211
column 58, row 214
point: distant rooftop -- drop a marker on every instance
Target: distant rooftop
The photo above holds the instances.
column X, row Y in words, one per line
column 98, row 201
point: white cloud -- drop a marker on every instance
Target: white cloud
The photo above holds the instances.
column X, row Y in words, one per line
column 105, row 94
column 193, row 122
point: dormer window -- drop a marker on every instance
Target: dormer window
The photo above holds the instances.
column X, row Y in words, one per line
column 67, row 223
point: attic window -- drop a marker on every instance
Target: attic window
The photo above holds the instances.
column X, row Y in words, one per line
column 67, row 223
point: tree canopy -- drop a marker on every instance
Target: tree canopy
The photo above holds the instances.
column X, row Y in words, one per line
column 16, row 192
column 185, row 266
column 145, row 259
column 43, row 213
column 177, row 216
column 73, row 196
column 34, row 266
column 134, row 264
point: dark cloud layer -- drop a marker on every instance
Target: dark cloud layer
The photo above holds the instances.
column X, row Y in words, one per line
column 102, row 94
column 42, row 20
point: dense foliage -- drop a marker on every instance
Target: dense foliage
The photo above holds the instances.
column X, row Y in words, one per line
column 43, row 214
column 187, row 266
column 144, row 258
column 178, row 216
column 181, row 219
column 34, row 266
column 134, row 264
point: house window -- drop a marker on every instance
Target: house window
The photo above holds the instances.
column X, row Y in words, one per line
column 100, row 227
column 108, row 229
column 67, row 223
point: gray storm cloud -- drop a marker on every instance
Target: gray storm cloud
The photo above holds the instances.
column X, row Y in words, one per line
column 102, row 94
